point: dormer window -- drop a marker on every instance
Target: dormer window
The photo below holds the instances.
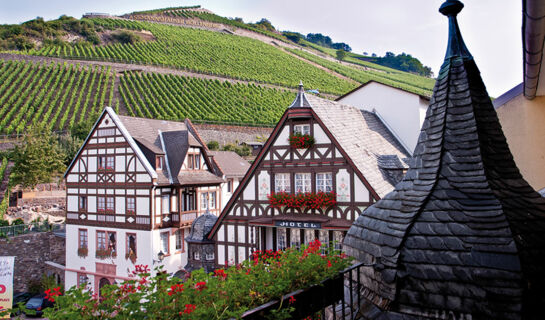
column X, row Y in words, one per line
column 159, row 160
column 194, row 161
column 301, row 128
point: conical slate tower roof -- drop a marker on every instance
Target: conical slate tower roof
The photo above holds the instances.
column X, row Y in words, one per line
column 463, row 235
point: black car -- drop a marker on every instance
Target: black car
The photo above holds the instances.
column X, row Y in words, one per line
column 20, row 297
column 37, row 304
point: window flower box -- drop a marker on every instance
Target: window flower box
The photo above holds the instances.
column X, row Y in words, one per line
column 301, row 141
column 105, row 253
column 82, row 252
column 302, row 200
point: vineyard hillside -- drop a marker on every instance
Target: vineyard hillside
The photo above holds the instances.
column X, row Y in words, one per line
column 167, row 64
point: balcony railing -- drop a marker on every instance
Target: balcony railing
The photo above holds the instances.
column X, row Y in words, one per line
column 336, row 298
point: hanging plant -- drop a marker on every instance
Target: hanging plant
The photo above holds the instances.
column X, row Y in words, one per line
column 105, row 253
column 301, row 141
column 302, row 200
column 82, row 252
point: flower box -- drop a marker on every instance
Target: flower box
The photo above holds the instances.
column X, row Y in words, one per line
column 301, row 141
column 82, row 252
column 302, row 200
column 105, row 253
column 305, row 302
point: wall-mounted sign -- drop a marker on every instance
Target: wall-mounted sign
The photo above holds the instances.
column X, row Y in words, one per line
column 6, row 283
column 298, row 224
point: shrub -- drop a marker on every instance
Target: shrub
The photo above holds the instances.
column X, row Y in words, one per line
column 17, row 221
column 125, row 37
column 213, row 145
column 301, row 141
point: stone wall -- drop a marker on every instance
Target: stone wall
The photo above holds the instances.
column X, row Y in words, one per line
column 232, row 134
column 31, row 251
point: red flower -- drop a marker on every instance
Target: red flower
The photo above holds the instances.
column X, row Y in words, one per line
column 189, row 308
column 176, row 288
column 328, row 264
column 200, row 286
column 220, row 273
column 291, row 300
column 50, row 294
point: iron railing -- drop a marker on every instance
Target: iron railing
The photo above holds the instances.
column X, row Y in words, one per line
column 19, row 229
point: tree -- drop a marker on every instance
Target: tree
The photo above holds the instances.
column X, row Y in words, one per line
column 38, row 159
column 341, row 54
column 213, row 145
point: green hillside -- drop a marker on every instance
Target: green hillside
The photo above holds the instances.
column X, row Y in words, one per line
column 55, row 94
column 206, row 52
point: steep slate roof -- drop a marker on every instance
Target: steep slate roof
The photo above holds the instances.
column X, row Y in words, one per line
column 230, row 163
column 463, row 234
column 172, row 139
column 362, row 136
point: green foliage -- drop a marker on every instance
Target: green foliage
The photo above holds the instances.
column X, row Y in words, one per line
column 224, row 294
column 69, row 146
column 4, row 223
column 54, row 95
column 395, row 78
column 404, row 62
column 38, row 158
column 126, row 37
column 340, row 54
column 242, row 151
column 18, row 221
column 213, row 145
column 81, row 129
column 205, row 52
column 264, row 24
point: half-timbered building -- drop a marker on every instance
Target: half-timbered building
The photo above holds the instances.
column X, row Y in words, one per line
column 133, row 190
column 354, row 160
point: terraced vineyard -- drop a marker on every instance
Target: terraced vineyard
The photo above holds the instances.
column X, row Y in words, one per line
column 57, row 95
column 399, row 79
column 161, row 96
column 206, row 52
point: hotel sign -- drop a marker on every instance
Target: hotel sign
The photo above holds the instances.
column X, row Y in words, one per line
column 298, row 224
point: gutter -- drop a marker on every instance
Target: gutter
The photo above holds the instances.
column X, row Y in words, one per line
column 533, row 38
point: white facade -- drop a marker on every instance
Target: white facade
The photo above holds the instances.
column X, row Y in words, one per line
column 402, row 112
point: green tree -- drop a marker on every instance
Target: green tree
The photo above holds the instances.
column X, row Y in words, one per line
column 341, row 54
column 213, row 145
column 38, row 159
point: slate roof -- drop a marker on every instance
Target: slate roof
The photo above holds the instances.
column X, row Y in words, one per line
column 363, row 137
column 201, row 227
column 462, row 236
column 172, row 139
column 230, row 163
column 301, row 100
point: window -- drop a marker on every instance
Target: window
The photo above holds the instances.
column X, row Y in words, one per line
column 131, row 205
column 196, row 255
column 101, row 240
column 179, row 239
column 209, row 256
column 301, row 128
column 101, row 204
column 324, row 182
column 159, row 160
column 197, row 161
column 230, row 185
column 106, row 132
column 82, row 238
column 338, row 238
column 190, row 161
column 281, row 239
column 295, row 238
column 82, row 279
column 110, row 204
column 82, row 203
column 165, row 200
column 302, row 182
column 130, row 247
column 164, row 242
column 106, row 162
column 106, row 240
column 204, row 201
column 282, row 182
column 212, row 200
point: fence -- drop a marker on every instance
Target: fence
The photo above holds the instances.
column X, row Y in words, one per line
column 15, row 230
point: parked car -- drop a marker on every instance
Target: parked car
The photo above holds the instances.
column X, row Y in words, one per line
column 37, row 304
column 20, row 297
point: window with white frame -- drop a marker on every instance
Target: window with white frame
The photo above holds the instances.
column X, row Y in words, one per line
column 165, row 203
column 131, row 204
column 106, row 162
column 179, row 239
column 212, row 200
column 302, row 182
column 164, row 242
column 281, row 238
column 110, row 204
column 282, row 182
column 82, row 203
column 324, row 182
column 204, row 200
column 301, row 128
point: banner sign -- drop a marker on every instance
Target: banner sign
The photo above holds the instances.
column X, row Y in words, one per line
column 298, row 224
column 6, row 282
